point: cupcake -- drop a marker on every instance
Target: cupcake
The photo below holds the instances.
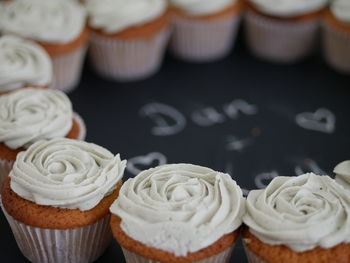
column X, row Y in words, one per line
column 178, row 213
column 28, row 115
column 342, row 172
column 23, row 64
column 56, row 200
column 336, row 35
column 128, row 38
column 298, row 219
column 58, row 26
column 204, row 30
column 282, row 31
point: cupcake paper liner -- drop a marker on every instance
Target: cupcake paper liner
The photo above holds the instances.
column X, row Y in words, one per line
column 127, row 60
column 79, row 245
column 82, row 126
column 67, row 69
column 203, row 41
column 252, row 258
column 282, row 42
column 336, row 48
column 223, row 257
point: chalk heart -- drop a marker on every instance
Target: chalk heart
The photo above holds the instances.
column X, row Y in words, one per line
column 323, row 120
column 139, row 163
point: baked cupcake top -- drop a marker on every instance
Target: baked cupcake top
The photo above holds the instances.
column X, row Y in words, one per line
column 23, row 63
column 113, row 16
column 28, row 115
column 341, row 10
column 301, row 213
column 179, row 208
column 66, row 173
column 288, row 8
column 342, row 172
column 41, row 20
column 202, row 7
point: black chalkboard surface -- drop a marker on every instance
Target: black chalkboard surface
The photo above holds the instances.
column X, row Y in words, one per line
column 241, row 115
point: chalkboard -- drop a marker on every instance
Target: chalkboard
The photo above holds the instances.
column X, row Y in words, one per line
column 241, row 115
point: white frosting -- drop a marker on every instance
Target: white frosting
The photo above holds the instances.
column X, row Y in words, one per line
column 342, row 172
column 23, row 62
column 66, row 173
column 341, row 10
column 179, row 208
column 43, row 20
column 28, row 115
column 113, row 16
column 202, row 7
column 288, row 8
column 301, row 212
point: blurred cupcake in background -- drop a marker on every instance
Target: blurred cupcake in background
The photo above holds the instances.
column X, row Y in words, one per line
column 204, row 30
column 178, row 213
column 342, row 172
column 57, row 198
column 23, row 63
column 28, row 115
column 298, row 219
column 58, row 26
column 128, row 38
column 336, row 35
column 282, row 31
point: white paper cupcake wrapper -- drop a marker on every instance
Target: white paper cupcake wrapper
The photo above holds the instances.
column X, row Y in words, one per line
column 127, row 60
column 67, row 69
column 277, row 41
column 337, row 48
column 203, row 41
column 82, row 126
column 79, row 245
column 252, row 258
column 223, row 257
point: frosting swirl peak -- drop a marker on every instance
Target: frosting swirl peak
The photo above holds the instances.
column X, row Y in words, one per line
column 66, row 173
column 342, row 172
column 179, row 208
column 23, row 62
column 341, row 10
column 301, row 212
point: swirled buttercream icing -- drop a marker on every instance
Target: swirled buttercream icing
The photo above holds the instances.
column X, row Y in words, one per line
column 288, row 8
column 23, row 62
column 301, row 212
column 202, row 7
column 66, row 173
column 179, row 208
column 41, row 20
column 342, row 172
column 341, row 10
column 113, row 16
column 28, row 115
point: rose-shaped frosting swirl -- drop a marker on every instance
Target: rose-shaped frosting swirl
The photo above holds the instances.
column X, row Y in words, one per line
column 179, row 208
column 342, row 172
column 66, row 173
column 48, row 21
column 288, row 8
column 113, row 16
column 202, row 7
column 301, row 212
column 28, row 115
column 23, row 62
column 341, row 10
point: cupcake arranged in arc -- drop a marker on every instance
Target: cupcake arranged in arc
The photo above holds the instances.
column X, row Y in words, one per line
column 206, row 30
column 336, row 35
column 58, row 26
column 178, row 213
column 23, row 64
column 57, row 198
column 31, row 114
column 298, row 219
column 283, row 31
column 342, row 171
column 128, row 38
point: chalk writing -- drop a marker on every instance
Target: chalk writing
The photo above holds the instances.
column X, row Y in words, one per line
column 146, row 161
column 262, row 180
column 233, row 108
column 309, row 166
column 207, row 117
column 235, row 144
column 323, row 120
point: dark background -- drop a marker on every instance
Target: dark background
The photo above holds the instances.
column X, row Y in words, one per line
column 112, row 114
